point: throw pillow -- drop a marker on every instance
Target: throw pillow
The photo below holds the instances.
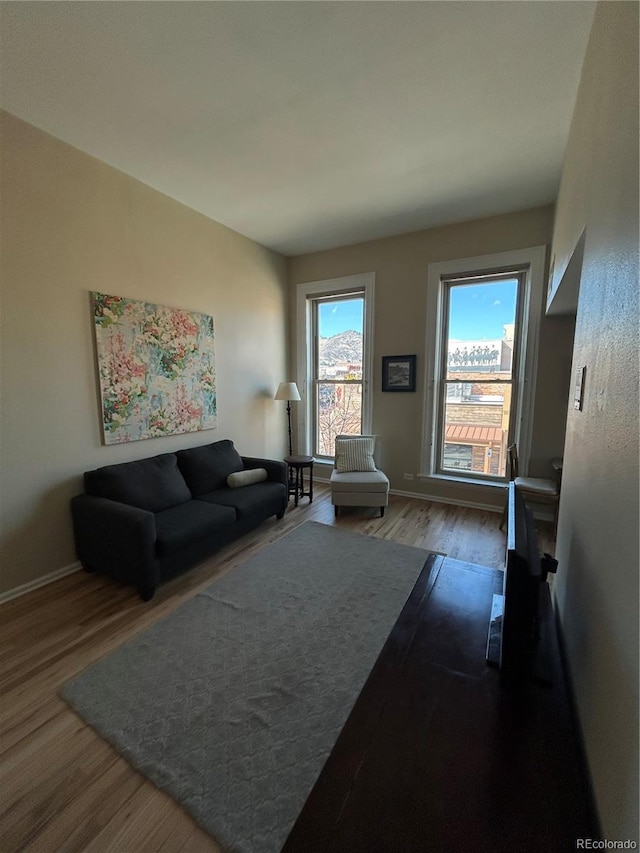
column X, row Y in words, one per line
column 246, row 478
column 354, row 454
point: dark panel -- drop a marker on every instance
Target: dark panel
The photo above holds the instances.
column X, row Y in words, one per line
column 436, row 754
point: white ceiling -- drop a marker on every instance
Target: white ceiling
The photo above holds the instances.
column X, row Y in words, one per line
column 307, row 125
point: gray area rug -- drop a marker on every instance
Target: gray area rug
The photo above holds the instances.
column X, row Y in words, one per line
column 233, row 702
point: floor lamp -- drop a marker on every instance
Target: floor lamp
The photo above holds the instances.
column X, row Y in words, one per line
column 288, row 391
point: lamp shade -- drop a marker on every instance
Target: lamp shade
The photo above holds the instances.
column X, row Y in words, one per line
column 287, row 391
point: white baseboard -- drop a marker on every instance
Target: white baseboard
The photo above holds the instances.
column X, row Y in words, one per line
column 440, row 500
column 542, row 515
column 421, row 496
column 38, row 582
column 538, row 513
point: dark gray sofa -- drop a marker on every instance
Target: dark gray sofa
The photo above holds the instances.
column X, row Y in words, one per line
column 147, row 520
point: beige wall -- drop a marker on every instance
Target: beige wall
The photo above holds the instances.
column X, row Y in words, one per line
column 597, row 583
column 71, row 224
column 400, row 265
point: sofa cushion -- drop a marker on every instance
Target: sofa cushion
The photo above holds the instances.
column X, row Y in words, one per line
column 153, row 484
column 207, row 468
column 260, row 498
column 184, row 524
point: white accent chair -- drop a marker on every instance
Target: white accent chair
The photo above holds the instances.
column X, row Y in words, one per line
column 349, row 487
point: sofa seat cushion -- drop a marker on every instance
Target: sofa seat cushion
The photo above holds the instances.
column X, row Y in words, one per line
column 259, row 498
column 207, row 468
column 359, row 481
column 184, row 524
column 153, row 484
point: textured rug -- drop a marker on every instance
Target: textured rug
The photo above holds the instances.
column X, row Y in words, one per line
column 233, row 702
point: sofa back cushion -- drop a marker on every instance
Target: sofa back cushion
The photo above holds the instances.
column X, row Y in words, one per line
column 207, row 468
column 153, row 484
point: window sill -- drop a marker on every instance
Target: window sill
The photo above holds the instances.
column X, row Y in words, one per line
column 467, row 481
column 324, row 460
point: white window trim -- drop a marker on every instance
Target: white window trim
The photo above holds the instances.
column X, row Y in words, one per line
column 534, row 260
column 304, row 349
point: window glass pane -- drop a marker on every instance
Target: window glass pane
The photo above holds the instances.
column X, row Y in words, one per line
column 476, row 418
column 481, row 328
column 339, row 412
column 457, row 456
column 340, row 339
column 340, row 347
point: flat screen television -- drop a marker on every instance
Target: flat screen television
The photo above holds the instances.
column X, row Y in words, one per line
column 514, row 626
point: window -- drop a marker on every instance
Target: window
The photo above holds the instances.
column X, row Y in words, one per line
column 337, row 373
column 479, row 323
column 334, row 346
column 482, row 323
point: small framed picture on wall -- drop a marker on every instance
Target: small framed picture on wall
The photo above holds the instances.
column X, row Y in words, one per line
column 398, row 373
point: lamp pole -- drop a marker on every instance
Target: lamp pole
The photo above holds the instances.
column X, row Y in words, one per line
column 288, row 391
column 289, row 419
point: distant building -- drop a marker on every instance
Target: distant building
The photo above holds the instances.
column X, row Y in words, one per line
column 477, row 412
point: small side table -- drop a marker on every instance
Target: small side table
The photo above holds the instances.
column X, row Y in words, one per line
column 296, row 465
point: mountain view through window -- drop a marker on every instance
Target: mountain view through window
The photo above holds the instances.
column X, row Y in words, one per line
column 339, row 376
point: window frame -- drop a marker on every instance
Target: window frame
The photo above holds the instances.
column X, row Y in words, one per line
column 306, row 293
column 530, row 263
column 447, row 284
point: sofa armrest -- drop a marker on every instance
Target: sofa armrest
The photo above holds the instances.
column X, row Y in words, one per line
column 276, row 470
column 116, row 539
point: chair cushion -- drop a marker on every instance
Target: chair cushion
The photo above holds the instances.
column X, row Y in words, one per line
column 538, row 485
column 359, row 481
column 260, row 498
column 355, row 454
column 153, row 484
column 207, row 468
column 181, row 525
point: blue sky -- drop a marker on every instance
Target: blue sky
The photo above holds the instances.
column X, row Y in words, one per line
column 477, row 311
column 338, row 317
column 481, row 310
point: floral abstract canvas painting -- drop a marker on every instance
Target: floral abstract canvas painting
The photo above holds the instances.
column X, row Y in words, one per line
column 157, row 369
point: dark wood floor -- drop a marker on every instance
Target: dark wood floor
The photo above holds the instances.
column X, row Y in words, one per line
column 63, row 787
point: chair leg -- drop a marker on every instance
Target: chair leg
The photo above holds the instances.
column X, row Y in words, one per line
column 381, row 512
column 336, row 510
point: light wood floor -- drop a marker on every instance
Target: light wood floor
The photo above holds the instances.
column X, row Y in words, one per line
column 63, row 787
